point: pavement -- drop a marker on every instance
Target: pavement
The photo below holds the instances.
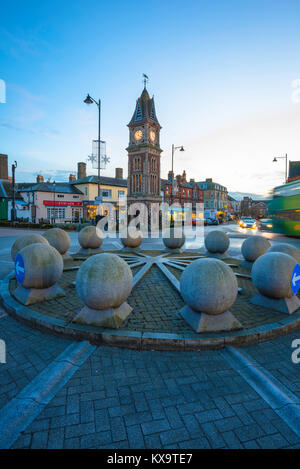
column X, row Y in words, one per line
column 55, row 393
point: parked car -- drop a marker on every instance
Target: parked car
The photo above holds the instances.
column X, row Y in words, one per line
column 265, row 224
column 212, row 221
column 248, row 223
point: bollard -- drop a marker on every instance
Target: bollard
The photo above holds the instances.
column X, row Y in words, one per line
column 131, row 242
column 90, row 239
column 209, row 288
column 60, row 240
column 174, row 239
column 38, row 267
column 252, row 248
column 272, row 275
column 217, row 242
column 104, row 283
column 24, row 241
column 286, row 249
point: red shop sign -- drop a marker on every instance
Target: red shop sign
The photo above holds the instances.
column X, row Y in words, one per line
column 61, row 203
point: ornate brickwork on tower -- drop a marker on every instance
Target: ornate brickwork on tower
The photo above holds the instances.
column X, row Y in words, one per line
column 144, row 153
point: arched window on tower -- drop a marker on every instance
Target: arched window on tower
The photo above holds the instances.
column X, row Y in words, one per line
column 137, row 163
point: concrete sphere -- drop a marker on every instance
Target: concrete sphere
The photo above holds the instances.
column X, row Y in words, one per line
column 217, row 242
column 26, row 240
column 43, row 265
column 272, row 274
column 132, row 241
column 59, row 239
column 254, row 247
column 90, row 237
column 209, row 286
column 286, row 249
column 172, row 241
column 104, row 281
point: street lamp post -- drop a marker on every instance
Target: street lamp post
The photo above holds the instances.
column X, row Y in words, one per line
column 90, row 100
column 286, row 161
column 13, row 211
column 173, row 151
column 180, row 148
column 54, row 187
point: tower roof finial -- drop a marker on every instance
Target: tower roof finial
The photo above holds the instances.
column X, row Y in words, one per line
column 146, row 79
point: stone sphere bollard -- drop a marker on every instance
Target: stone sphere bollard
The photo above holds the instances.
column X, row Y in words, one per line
column 131, row 241
column 24, row 241
column 59, row 239
column 254, row 247
column 272, row 276
column 104, row 283
column 217, row 242
column 209, row 288
column 90, row 239
column 286, row 249
column 38, row 267
column 174, row 238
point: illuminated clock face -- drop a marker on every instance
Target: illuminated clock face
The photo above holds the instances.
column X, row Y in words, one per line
column 138, row 135
column 152, row 135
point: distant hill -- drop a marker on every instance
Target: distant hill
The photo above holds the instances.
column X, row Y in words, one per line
column 241, row 195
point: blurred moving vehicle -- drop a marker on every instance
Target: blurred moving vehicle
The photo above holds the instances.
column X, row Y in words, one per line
column 265, row 224
column 199, row 221
column 285, row 209
column 247, row 222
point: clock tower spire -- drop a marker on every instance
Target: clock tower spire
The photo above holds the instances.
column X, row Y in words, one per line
column 144, row 152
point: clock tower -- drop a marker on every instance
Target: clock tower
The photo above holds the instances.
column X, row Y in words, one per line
column 144, row 153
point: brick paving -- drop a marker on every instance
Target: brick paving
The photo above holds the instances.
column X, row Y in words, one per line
column 28, row 352
column 276, row 357
column 123, row 398
column 128, row 399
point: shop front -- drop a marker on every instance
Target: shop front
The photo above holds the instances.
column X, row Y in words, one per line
column 62, row 211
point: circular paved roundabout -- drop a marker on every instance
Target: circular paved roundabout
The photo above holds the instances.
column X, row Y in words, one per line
column 155, row 322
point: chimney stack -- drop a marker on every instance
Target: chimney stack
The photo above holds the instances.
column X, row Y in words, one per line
column 39, row 179
column 81, row 170
column 192, row 180
column 3, row 167
column 170, row 176
column 72, row 177
column 119, row 173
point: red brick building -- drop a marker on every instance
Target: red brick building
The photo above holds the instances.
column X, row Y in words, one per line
column 183, row 191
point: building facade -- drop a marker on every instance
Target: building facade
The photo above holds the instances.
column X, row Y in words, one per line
column 52, row 202
column 113, row 190
column 180, row 191
column 234, row 206
column 215, row 198
column 144, row 153
column 253, row 208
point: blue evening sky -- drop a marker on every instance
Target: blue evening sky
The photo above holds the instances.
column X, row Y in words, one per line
column 221, row 73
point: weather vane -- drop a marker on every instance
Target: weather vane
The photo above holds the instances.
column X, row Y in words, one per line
column 145, row 79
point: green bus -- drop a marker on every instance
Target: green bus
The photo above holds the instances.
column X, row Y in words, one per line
column 284, row 208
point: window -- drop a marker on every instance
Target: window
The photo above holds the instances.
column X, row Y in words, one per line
column 75, row 196
column 121, row 193
column 86, row 191
column 106, row 193
column 137, row 163
column 56, row 213
column 61, row 196
column 76, row 213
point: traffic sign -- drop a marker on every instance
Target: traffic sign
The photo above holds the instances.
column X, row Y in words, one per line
column 20, row 268
column 296, row 279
